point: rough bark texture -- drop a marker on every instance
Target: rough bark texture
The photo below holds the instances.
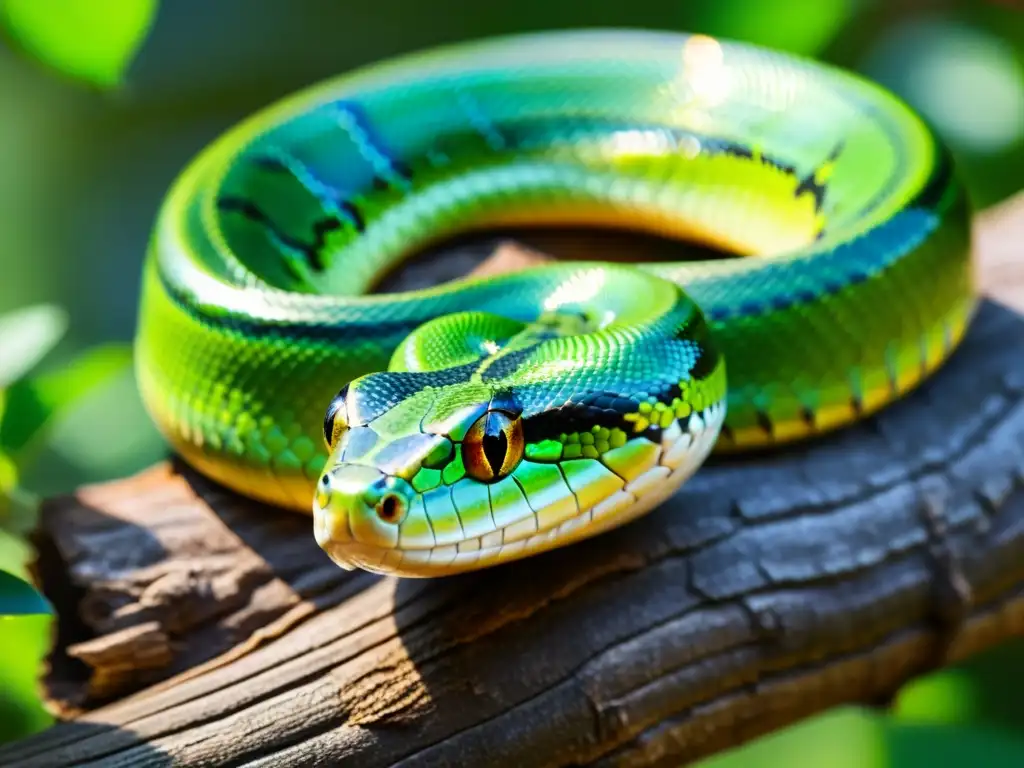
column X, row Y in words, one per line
column 769, row 589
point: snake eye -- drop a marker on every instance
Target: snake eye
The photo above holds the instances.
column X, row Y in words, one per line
column 335, row 420
column 493, row 446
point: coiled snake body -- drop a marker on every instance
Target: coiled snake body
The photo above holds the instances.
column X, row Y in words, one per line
column 485, row 420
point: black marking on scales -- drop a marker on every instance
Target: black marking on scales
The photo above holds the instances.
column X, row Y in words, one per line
column 310, row 252
column 327, row 196
column 353, row 119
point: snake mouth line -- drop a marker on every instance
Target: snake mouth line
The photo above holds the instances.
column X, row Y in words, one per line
column 684, row 447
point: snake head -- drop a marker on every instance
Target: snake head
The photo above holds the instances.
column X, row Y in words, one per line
column 411, row 471
column 437, row 472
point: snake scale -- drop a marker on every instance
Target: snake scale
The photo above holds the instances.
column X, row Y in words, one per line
column 488, row 419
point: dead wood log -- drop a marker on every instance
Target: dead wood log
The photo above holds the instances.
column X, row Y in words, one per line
column 200, row 628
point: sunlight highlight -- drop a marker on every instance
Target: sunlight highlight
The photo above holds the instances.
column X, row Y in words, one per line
column 704, row 70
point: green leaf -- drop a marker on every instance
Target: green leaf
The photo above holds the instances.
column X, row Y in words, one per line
column 26, row 336
column 19, row 598
column 8, row 475
column 90, row 40
column 8, row 481
column 24, row 642
column 19, row 510
column 15, row 554
column 33, row 402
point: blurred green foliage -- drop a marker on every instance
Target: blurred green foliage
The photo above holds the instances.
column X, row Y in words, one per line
column 23, row 641
column 969, row 714
column 851, row 737
column 818, row 24
column 28, row 403
column 96, row 161
column 986, row 691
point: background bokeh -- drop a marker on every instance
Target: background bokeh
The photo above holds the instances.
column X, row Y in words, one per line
column 85, row 158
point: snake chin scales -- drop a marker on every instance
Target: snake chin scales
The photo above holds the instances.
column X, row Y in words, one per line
column 369, row 514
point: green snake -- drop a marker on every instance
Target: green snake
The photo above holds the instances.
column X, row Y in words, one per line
column 488, row 419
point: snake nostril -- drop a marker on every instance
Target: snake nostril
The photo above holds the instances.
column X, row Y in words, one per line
column 323, row 494
column 391, row 508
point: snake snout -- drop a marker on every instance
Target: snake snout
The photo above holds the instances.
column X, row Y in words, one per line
column 357, row 513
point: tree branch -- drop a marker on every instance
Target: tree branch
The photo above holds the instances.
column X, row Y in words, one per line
column 770, row 588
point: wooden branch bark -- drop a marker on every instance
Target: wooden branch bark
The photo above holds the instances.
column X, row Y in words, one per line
column 199, row 628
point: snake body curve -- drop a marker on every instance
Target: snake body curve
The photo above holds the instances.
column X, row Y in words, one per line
column 489, row 419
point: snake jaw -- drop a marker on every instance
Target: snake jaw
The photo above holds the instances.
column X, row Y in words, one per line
column 357, row 513
column 350, row 529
